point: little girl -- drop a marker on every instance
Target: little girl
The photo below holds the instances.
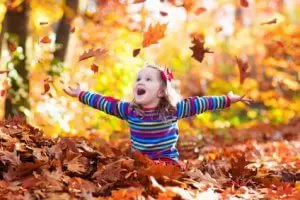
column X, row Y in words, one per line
column 153, row 114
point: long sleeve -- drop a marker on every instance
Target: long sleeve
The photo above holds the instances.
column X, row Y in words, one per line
column 195, row 105
column 106, row 104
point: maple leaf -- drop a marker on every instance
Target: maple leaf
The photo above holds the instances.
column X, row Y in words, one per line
column 94, row 68
column 153, row 34
column 10, row 157
column 92, row 53
column 244, row 3
column 159, row 170
column 243, row 67
column 199, row 50
column 273, row 21
column 45, row 40
column 200, row 10
column 136, row 52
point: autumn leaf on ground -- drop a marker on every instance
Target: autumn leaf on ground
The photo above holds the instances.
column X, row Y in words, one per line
column 279, row 43
column 243, row 67
column 136, row 52
column 3, row 71
column 138, row 1
column 273, row 21
column 200, row 10
column 153, row 34
column 244, row 3
column 92, row 53
column 45, row 40
column 199, row 50
column 43, row 23
column 94, row 68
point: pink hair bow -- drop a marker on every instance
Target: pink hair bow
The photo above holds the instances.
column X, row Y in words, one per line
column 167, row 75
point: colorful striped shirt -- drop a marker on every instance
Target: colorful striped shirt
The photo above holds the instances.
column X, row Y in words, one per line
column 149, row 134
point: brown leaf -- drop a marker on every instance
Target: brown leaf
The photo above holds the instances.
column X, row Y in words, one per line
column 200, row 10
column 273, row 21
column 92, row 53
column 243, row 67
column 46, row 88
column 4, row 71
column 45, row 40
column 43, row 23
column 163, row 13
column 94, row 68
column 11, row 157
column 153, row 34
column 136, row 52
column 12, row 46
column 199, row 50
column 73, row 30
column 244, row 3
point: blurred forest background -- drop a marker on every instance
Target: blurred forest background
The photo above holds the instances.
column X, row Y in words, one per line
column 42, row 41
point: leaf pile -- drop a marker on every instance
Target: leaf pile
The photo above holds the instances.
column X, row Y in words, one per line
column 34, row 166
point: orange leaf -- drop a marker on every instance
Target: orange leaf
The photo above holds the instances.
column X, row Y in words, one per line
column 138, row 1
column 200, row 10
column 94, row 68
column 73, row 30
column 199, row 50
column 2, row 93
column 92, row 53
column 12, row 46
column 136, row 52
column 153, row 34
column 244, row 3
column 188, row 4
column 243, row 67
column 273, row 21
column 218, row 29
column 45, row 40
column 279, row 43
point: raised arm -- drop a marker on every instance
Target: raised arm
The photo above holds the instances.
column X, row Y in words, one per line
column 195, row 105
column 106, row 104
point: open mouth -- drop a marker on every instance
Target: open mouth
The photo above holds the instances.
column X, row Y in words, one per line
column 141, row 91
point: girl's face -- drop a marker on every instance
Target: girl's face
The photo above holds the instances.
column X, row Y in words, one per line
column 148, row 88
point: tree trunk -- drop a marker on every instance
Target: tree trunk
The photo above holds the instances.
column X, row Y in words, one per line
column 15, row 23
column 63, row 31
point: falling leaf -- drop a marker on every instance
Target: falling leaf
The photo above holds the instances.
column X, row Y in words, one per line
column 188, row 4
column 244, row 3
column 138, row 1
column 136, row 52
column 92, row 53
column 162, row 13
column 4, row 71
column 46, row 88
column 153, row 34
column 200, row 10
column 43, row 23
column 279, row 43
column 243, row 67
column 73, row 30
column 199, row 50
column 2, row 93
column 94, row 68
column 218, row 29
column 12, row 46
column 45, row 40
column 273, row 21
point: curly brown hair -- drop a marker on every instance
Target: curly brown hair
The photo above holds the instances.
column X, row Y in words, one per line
column 168, row 102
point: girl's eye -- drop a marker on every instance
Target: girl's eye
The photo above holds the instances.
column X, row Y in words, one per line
column 148, row 79
column 138, row 79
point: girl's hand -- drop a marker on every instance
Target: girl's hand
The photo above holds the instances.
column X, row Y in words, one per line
column 236, row 98
column 74, row 92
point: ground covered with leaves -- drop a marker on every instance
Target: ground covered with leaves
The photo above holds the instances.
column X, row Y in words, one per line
column 262, row 162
